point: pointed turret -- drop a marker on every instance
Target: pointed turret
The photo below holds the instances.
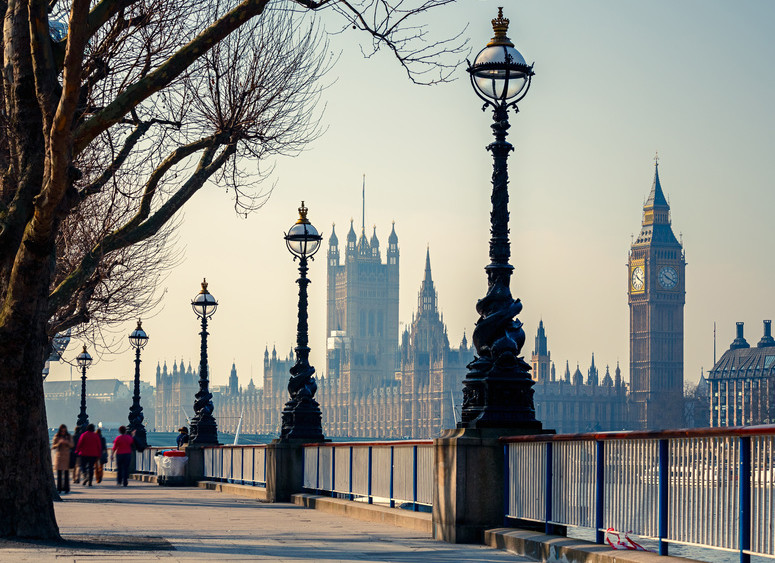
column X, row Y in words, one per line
column 592, row 378
column 554, row 372
column 333, row 240
column 618, row 375
column 541, row 347
column 578, row 379
column 656, row 198
column 352, row 239
column 607, row 381
column 656, row 216
column 567, row 372
column 426, row 302
column 464, row 342
column 374, row 240
column 233, row 381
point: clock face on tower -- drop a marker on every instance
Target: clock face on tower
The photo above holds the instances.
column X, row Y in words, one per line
column 638, row 278
column 668, row 277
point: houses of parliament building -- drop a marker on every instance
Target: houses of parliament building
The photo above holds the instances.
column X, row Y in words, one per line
column 378, row 383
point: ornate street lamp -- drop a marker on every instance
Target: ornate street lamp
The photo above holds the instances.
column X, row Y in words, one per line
column 497, row 391
column 301, row 415
column 204, row 431
column 84, row 361
column 138, row 339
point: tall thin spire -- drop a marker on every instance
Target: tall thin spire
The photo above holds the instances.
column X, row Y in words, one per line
column 428, row 278
column 363, row 203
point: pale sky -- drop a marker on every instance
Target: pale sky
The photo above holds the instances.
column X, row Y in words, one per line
column 615, row 82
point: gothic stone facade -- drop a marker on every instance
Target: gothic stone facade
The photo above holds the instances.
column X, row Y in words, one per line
column 570, row 405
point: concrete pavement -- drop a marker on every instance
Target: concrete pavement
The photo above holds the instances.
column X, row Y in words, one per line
column 145, row 522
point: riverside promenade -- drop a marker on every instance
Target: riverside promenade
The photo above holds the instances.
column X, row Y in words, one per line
column 145, row 522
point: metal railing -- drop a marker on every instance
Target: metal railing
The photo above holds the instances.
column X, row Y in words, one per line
column 394, row 473
column 711, row 488
column 245, row 465
column 145, row 461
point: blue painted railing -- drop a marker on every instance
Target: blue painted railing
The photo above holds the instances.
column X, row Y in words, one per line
column 396, row 473
column 711, row 488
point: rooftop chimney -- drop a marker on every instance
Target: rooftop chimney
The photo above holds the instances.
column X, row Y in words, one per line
column 767, row 339
column 739, row 342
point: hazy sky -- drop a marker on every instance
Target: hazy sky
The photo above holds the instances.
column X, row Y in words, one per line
column 615, row 82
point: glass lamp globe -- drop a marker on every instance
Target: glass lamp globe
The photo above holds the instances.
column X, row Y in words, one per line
column 303, row 239
column 138, row 338
column 83, row 359
column 204, row 304
column 499, row 71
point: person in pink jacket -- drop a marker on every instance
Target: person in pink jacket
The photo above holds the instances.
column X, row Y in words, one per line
column 89, row 448
column 122, row 449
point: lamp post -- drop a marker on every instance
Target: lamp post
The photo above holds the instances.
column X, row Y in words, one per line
column 301, row 417
column 204, row 431
column 84, row 361
column 497, row 391
column 138, row 339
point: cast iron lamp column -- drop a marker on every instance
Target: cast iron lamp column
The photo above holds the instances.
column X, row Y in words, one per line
column 203, row 428
column 138, row 339
column 301, row 417
column 497, row 391
column 84, row 361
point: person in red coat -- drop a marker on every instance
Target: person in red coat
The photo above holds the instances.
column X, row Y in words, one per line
column 89, row 448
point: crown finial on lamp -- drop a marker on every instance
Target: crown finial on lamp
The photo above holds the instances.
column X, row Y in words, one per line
column 500, row 26
column 204, row 286
column 302, row 214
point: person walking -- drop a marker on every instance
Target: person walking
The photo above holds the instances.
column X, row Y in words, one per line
column 75, row 461
column 89, row 447
column 182, row 439
column 122, row 449
column 103, row 459
column 62, row 445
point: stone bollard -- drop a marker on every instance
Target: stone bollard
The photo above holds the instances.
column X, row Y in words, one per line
column 468, row 483
column 195, row 467
column 284, row 469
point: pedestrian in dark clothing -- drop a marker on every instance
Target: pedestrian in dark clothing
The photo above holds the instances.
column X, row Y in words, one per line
column 182, row 439
column 103, row 459
column 75, row 461
column 62, row 445
column 89, row 448
column 122, row 449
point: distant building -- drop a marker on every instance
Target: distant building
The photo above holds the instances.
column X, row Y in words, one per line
column 107, row 401
column 431, row 373
column 742, row 382
column 361, row 313
column 175, row 392
column 418, row 399
column 656, row 295
column 569, row 405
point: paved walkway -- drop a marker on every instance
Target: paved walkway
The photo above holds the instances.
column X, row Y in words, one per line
column 145, row 522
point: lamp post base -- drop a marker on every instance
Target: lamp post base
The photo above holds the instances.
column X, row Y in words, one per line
column 302, row 420
column 499, row 397
column 204, row 431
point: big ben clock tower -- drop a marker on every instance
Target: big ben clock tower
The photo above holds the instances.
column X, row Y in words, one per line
column 656, row 294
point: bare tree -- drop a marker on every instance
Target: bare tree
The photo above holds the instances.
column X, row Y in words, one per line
column 115, row 113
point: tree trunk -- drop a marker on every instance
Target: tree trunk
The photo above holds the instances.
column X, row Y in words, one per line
column 25, row 457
